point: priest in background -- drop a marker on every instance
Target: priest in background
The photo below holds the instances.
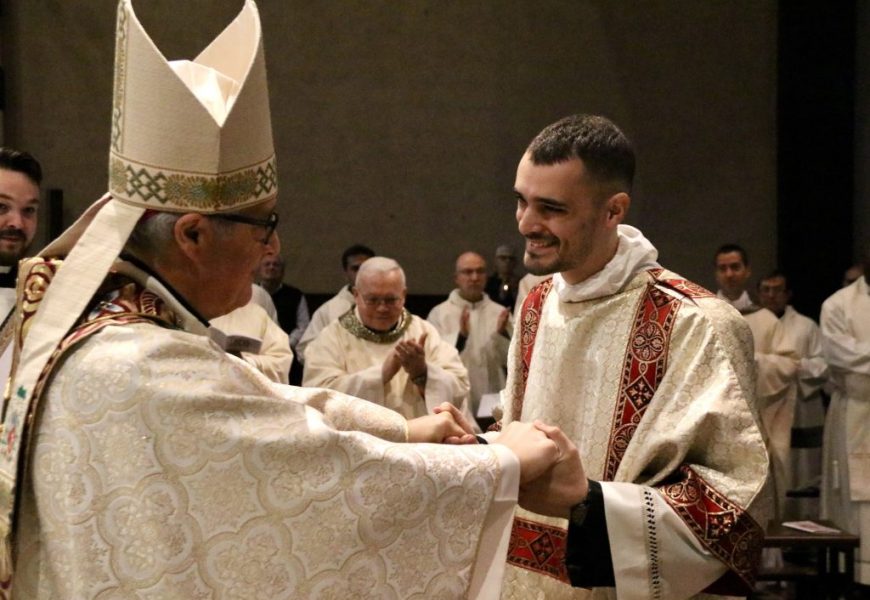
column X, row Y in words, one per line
column 845, row 324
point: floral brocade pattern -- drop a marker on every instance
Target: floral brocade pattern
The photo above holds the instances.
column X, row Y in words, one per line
column 655, row 386
column 530, row 316
column 165, row 469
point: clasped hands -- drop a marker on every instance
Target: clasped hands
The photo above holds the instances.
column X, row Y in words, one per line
column 409, row 355
column 552, row 478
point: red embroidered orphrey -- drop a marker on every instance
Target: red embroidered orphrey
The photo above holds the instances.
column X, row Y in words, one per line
column 722, row 526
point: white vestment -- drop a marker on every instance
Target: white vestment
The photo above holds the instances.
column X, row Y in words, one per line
column 845, row 325
column 662, row 458
column 325, row 314
column 485, row 351
column 743, row 304
column 342, row 361
column 162, row 467
column 776, row 361
column 274, row 357
column 803, row 335
column 260, row 296
column 7, row 303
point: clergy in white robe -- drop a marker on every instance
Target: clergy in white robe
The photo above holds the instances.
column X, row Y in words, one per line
column 776, row 362
column 163, row 467
column 845, row 324
column 249, row 332
column 476, row 326
column 799, row 336
column 351, row 260
column 650, row 375
column 382, row 353
column 261, row 297
column 325, row 314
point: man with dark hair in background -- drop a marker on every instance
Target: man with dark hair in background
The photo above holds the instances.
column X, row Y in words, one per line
column 791, row 373
column 649, row 374
column 20, row 178
column 351, row 260
column 732, row 276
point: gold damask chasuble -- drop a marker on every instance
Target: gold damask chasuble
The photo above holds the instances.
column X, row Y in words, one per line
column 162, row 467
column 663, row 399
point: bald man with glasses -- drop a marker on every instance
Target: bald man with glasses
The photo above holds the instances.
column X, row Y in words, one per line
column 380, row 352
column 477, row 326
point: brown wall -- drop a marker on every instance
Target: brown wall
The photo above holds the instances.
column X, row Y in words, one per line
column 399, row 124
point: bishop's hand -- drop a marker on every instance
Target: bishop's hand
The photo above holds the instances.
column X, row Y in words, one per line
column 436, row 428
column 469, row 436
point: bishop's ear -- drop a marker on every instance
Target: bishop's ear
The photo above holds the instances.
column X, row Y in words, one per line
column 188, row 233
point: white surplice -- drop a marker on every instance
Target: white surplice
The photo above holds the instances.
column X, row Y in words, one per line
column 700, row 421
column 325, row 314
column 845, row 324
column 341, row 361
column 260, row 296
column 743, row 303
column 274, row 356
column 162, row 467
column 776, row 361
column 803, row 334
column 485, row 351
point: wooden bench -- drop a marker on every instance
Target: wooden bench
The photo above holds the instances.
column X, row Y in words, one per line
column 834, row 578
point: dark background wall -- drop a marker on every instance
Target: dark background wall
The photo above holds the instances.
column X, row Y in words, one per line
column 816, row 149
column 399, row 124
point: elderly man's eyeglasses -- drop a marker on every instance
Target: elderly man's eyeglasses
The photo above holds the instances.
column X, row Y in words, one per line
column 470, row 272
column 373, row 301
column 269, row 224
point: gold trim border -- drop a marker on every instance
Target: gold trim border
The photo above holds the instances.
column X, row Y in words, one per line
column 166, row 189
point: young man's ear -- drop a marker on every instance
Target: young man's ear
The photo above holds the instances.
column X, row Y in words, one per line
column 617, row 208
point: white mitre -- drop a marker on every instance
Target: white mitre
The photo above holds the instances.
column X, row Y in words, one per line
column 191, row 136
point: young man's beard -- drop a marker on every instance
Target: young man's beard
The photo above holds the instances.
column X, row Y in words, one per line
column 10, row 257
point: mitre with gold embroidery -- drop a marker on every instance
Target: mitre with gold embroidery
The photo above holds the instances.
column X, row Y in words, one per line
column 191, row 135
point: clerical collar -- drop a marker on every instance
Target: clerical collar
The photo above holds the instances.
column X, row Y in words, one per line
column 352, row 323
column 152, row 273
column 8, row 276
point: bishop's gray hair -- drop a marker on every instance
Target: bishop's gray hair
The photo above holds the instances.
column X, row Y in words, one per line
column 380, row 264
column 154, row 234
